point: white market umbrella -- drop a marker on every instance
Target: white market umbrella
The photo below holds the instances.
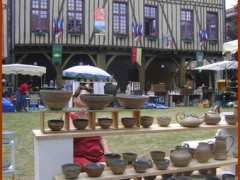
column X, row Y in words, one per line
column 86, row 72
column 23, row 69
column 231, row 46
column 219, row 66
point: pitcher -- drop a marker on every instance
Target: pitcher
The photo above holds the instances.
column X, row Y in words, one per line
column 220, row 147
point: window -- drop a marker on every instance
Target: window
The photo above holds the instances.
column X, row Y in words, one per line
column 186, row 24
column 150, row 21
column 120, row 18
column 75, row 16
column 39, row 20
column 212, row 25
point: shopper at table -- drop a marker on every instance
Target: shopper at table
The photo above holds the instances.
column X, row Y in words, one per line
column 21, row 96
column 87, row 149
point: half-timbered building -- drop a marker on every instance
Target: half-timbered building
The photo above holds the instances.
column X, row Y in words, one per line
column 170, row 33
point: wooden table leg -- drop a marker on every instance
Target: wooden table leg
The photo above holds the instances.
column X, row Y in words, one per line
column 115, row 119
column 42, row 122
column 136, row 114
column 92, row 120
column 66, row 121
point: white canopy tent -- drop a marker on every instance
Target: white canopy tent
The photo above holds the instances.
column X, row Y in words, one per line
column 23, row 69
column 219, row 66
column 231, row 46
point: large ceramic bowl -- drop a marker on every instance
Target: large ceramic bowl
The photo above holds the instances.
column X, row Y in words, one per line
column 80, row 124
column 131, row 101
column 94, row 169
column 96, row 101
column 128, row 122
column 105, row 123
column 55, row 99
column 55, row 124
column 146, row 121
column 71, row 171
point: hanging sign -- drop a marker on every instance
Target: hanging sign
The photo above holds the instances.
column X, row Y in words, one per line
column 99, row 25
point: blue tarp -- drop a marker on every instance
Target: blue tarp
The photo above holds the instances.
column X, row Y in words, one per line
column 154, row 106
column 7, row 106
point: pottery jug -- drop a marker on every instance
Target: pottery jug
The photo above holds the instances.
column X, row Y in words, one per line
column 181, row 156
column 212, row 118
column 203, row 152
column 220, row 147
column 188, row 120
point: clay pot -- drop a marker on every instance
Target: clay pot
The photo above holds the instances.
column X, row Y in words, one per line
column 94, row 169
column 146, row 121
column 140, row 166
column 231, row 119
column 228, row 177
column 162, row 164
column 129, row 157
column 181, row 156
column 118, row 166
column 128, row 122
column 55, row 124
column 188, row 120
column 157, row 155
column 111, row 156
column 71, row 171
column 80, row 124
column 55, row 99
column 150, row 178
column 131, row 101
column 105, row 123
column 212, row 118
column 220, row 150
column 163, row 121
column 96, row 101
column 203, row 152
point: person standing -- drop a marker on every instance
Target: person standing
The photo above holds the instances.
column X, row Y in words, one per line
column 21, row 95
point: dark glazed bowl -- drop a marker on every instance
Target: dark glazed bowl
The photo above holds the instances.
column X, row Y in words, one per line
column 111, row 156
column 128, row 122
column 71, row 171
column 118, row 166
column 96, row 101
column 94, row 169
column 55, row 124
column 140, row 166
column 55, row 99
column 131, row 101
column 157, row 155
column 146, row 121
column 129, row 157
column 105, row 123
column 162, row 164
column 80, row 124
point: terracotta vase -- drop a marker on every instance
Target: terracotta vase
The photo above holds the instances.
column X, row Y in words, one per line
column 203, row 152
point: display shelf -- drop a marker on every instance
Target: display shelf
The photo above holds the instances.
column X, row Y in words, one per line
column 130, row 172
column 125, row 131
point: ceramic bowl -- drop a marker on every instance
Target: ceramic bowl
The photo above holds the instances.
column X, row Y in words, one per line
column 157, row 155
column 80, row 124
column 71, row 171
column 231, row 119
column 163, row 121
column 228, row 177
column 105, row 123
column 96, row 101
column 162, row 164
column 55, row 124
column 111, row 156
column 146, row 121
column 94, row 169
column 131, row 101
column 129, row 157
column 140, row 166
column 128, row 122
column 118, row 166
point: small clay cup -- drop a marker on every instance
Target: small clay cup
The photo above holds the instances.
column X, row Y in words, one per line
column 129, row 157
column 118, row 166
column 162, row 164
column 111, row 156
column 80, row 124
column 163, row 121
column 71, row 171
column 146, row 121
column 55, row 124
column 128, row 122
column 157, row 155
column 105, row 123
column 94, row 169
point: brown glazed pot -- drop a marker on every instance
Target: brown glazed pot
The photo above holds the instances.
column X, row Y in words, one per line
column 231, row 119
column 181, row 156
column 157, row 155
column 94, row 169
column 96, row 101
column 146, row 121
column 55, row 99
column 80, row 124
column 163, row 121
column 131, row 101
column 71, row 171
column 203, row 152
column 129, row 157
column 55, row 124
column 118, row 166
column 212, row 118
column 140, row 166
column 105, row 123
column 128, row 122
column 111, row 156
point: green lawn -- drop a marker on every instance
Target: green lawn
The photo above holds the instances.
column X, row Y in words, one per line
column 23, row 123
